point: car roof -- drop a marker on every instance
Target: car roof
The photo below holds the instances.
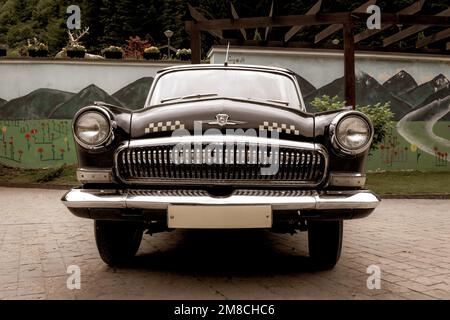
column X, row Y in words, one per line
column 228, row 66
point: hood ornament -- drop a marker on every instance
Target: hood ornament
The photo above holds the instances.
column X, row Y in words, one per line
column 222, row 120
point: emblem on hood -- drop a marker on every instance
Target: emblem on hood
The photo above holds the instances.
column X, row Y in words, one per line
column 222, row 120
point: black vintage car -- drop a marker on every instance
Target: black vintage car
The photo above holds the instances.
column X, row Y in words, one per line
column 218, row 147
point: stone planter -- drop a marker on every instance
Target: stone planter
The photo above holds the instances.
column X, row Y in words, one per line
column 113, row 55
column 76, row 54
column 152, row 55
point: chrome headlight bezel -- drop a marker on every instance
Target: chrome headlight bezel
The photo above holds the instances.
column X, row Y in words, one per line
column 338, row 145
column 106, row 140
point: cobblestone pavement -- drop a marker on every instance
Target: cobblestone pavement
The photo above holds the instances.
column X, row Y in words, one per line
column 408, row 239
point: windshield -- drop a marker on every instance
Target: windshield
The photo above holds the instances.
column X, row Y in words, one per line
column 230, row 83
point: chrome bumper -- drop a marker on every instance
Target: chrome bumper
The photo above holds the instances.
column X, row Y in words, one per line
column 278, row 199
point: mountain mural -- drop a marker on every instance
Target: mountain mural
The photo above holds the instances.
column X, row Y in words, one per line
column 305, row 86
column 133, row 96
column 35, row 105
column 400, row 83
column 2, row 101
column 85, row 97
column 368, row 92
column 418, row 95
column 425, row 110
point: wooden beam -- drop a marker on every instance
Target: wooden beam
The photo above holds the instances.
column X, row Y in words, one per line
column 196, row 49
column 278, row 21
column 411, row 30
column 319, row 19
column 235, row 16
column 199, row 17
column 447, row 47
column 269, row 28
column 433, row 38
column 336, row 27
column 295, row 29
column 412, row 9
column 349, row 65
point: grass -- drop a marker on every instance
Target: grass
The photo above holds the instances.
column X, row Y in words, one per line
column 382, row 183
column 63, row 175
column 409, row 182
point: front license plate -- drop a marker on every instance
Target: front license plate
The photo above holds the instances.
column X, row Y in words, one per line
column 219, row 217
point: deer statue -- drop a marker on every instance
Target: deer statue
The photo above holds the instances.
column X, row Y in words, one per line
column 75, row 38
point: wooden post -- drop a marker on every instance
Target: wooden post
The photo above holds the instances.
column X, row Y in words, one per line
column 349, row 65
column 196, row 49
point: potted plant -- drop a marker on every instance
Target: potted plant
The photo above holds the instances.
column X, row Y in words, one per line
column 37, row 49
column 183, row 54
column 2, row 50
column 76, row 51
column 41, row 50
column 152, row 53
column 113, row 52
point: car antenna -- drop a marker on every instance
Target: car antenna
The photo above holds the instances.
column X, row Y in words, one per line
column 226, row 55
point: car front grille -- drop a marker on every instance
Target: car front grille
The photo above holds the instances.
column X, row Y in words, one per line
column 154, row 162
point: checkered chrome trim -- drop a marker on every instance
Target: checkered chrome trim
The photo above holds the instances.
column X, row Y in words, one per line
column 164, row 126
column 280, row 127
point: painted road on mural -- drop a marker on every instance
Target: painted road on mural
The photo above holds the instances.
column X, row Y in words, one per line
column 426, row 139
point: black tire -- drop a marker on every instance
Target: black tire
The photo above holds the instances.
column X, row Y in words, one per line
column 117, row 242
column 325, row 243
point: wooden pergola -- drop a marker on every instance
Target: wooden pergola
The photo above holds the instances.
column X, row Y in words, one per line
column 345, row 21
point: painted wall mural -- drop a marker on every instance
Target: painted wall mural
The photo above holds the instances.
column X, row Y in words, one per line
column 36, row 129
column 35, row 122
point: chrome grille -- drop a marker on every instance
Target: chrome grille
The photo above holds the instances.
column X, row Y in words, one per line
column 232, row 165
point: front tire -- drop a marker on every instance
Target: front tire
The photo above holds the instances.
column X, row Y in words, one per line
column 325, row 243
column 117, row 242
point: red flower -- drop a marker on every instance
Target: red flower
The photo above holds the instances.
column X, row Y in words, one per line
column 27, row 136
column 33, row 131
column 62, row 150
column 40, row 150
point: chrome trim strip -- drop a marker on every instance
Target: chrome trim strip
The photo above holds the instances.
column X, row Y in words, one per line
column 309, row 200
column 225, row 139
column 347, row 179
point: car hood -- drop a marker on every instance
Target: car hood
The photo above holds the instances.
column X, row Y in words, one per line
column 162, row 120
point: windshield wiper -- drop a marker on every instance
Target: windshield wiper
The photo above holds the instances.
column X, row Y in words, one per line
column 192, row 96
column 286, row 103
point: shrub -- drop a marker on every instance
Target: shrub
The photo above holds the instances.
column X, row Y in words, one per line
column 135, row 47
column 380, row 115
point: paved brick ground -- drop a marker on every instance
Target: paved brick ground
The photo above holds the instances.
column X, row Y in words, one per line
column 408, row 239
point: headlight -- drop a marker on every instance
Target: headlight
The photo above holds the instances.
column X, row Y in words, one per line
column 92, row 128
column 352, row 133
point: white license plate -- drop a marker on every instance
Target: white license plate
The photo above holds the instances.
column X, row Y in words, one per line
column 219, row 217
